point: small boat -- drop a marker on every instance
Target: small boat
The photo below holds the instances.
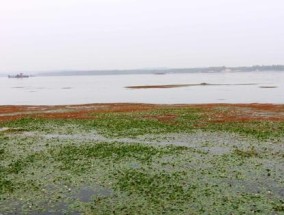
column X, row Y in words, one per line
column 21, row 75
column 159, row 73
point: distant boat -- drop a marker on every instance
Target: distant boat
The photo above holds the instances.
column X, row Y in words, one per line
column 159, row 73
column 21, row 75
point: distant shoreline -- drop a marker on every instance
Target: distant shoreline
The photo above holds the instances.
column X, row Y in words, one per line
column 155, row 71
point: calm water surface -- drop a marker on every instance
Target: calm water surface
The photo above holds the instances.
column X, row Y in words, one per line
column 111, row 88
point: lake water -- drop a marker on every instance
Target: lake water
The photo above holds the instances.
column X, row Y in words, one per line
column 238, row 87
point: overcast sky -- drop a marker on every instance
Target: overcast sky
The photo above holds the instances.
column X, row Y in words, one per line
column 42, row 35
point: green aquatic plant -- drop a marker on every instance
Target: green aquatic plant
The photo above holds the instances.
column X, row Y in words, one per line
column 156, row 188
column 47, row 162
column 77, row 157
column 251, row 152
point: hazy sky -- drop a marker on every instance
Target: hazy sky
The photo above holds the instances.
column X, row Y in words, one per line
column 40, row 35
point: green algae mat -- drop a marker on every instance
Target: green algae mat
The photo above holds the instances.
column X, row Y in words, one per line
column 168, row 161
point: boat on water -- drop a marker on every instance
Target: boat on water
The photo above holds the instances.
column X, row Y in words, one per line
column 21, row 75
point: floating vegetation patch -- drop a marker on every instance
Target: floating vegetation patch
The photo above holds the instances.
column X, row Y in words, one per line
column 155, row 188
column 251, row 152
column 77, row 157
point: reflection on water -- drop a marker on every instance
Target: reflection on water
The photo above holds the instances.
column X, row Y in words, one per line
column 86, row 194
column 237, row 87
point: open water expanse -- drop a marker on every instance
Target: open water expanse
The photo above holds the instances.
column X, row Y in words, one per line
column 233, row 87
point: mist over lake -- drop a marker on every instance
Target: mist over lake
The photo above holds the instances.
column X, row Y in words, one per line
column 191, row 88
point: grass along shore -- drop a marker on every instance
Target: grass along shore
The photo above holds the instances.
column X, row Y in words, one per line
column 142, row 159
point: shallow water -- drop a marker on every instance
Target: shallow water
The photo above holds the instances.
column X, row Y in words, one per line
column 236, row 87
column 208, row 163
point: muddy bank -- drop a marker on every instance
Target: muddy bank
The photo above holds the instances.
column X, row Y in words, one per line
column 183, row 85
